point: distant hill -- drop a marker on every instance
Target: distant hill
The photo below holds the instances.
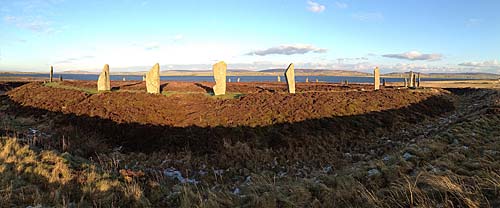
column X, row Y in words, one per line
column 466, row 75
column 274, row 72
column 319, row 72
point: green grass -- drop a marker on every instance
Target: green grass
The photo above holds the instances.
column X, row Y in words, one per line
column 61, row 86
column 170, row 93
column 233, row 95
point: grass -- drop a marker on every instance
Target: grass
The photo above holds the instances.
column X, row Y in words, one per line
column 230, row 95
column 170, row 93
column 442, row 175
column 455, row 165
column 59, row 85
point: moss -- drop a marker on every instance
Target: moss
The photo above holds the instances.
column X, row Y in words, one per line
column 59, row 85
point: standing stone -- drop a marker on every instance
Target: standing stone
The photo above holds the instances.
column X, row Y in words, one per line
column 103, row 83
column 290, row 78
column 219, row 70
column 51, row 76
column 317, row 80
column 153, row 80
column 279, row 78
column 307, row 79
column 418, row 79
column 412, row 79
column 376, row 78
column 229, row 80
column 238, row 80
column 384, row 83
column 143, row 77
column 406, row 82
column 60, row 78
column 123, row 79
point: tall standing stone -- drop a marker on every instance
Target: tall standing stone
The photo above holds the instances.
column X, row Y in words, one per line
column 238, row 80
column 219, row 70
column 103, row 83
column 418, row 79
column 51, row 76
column 406, row 82
column 384, row 83
column 412, row 79
column 290, row 78
column 279, row 78
column 376, row 77
column 307, row 79
column 153, row 80
column 60, row 78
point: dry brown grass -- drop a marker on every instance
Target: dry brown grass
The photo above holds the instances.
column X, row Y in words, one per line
column 450, row 161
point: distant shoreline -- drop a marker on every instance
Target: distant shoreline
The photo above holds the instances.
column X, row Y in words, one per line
column 257, row 73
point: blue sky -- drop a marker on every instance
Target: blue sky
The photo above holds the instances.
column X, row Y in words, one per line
column 397, row 35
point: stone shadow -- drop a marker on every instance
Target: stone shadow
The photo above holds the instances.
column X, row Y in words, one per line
column 208, row 89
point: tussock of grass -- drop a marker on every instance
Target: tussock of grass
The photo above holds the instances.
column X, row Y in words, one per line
column 59, row 85
column 456, row 165
column 231, row 95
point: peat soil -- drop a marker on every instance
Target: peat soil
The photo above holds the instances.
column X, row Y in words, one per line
column 380, row 138
column 251, row 131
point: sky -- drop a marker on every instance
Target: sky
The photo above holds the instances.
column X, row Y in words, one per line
column 133, row 35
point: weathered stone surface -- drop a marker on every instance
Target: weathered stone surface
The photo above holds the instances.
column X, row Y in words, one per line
column 406, row 82
column 144, row 78
column 103, row 83
column 412, row 79
column 418, row 79
column 60, row 78
column 376, row 78
column 279, row 78
column 290, row 78
column 307, row 79
column 153, row 79
column 219, row 70
column 51, row 76
column 238, row 80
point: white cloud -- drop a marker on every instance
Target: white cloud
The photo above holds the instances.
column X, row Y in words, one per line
column 288, row 50
column 473, row 22
column 178, row 37
column 35, row 24
column 152, row 46
column 342, row 60
column 315, row 7
column 485, row 64
column 73, row 60
column 415, row 55
column 341, row 5
column 368, row 16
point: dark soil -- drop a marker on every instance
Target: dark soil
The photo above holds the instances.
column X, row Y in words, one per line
column 255, row 129
column 190, row 105
column 328, row 145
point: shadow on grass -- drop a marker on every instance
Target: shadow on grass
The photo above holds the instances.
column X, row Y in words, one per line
column 127, row 85
column 208, row 89
column 313, row 140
